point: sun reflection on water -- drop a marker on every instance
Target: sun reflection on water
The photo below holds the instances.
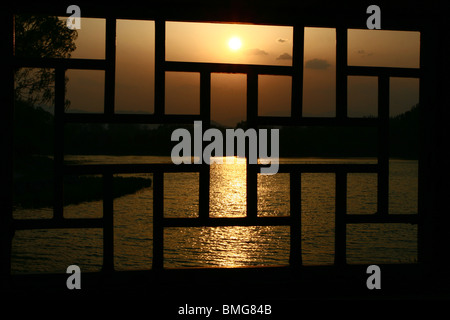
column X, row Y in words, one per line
column 226, row 246
column 232, row 246
column 228, row 187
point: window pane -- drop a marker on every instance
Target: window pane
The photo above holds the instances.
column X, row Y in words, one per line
column 274, row 95
column 362, row 193
column 228, row 99
column 273, row 195
column 180, row 188
column 135, row 66
column 182, row 93
column 383, row 48
column 52, row 251
column 381, row 243
column 318, row 190
column 228, row 189
column 133, row 221
column 319, row 75
column 404, row 95
column 90, row 42
column 226, row 246
column 85, row 91
column 362, row 96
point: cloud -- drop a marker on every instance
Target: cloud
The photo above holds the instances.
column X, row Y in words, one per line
column 363, row 53
column 318, row 64
column 282, row 40
column 285, row 56
column 258, row 52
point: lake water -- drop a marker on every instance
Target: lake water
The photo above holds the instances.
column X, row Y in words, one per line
column 42, row 251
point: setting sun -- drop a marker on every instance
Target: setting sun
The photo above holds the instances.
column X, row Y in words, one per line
column 234, row 43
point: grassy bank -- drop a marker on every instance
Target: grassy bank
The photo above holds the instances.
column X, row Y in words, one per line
column 34, row 188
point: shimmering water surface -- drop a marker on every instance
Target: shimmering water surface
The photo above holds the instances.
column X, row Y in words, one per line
column 36, row 251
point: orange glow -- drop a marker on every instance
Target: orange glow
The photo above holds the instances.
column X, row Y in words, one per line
column 242, row 44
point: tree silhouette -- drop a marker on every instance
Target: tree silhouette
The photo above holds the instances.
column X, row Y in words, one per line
column 40, row 37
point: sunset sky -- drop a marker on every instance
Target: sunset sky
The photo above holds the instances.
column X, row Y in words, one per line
column 252, row 44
